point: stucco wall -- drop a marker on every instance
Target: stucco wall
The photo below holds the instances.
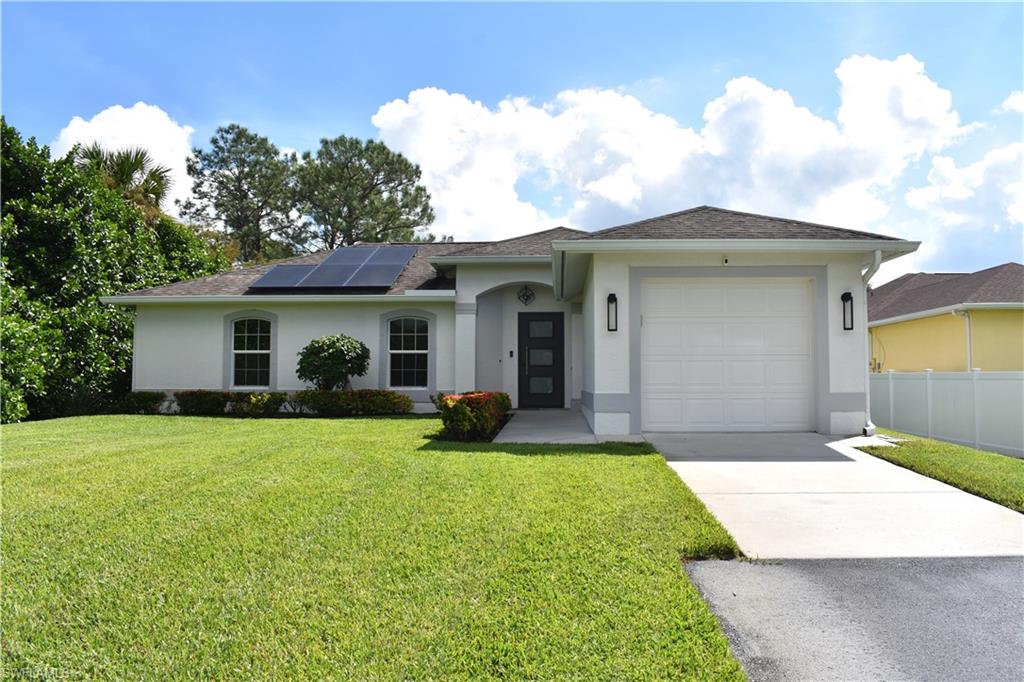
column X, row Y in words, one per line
column 183, row 346
column 938, row 343
column 841, row 360
column 997, row 340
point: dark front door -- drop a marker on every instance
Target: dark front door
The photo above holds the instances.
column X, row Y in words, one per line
column 541, row 360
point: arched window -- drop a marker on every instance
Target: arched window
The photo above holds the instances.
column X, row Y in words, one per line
column 408, row 352
column 250, row 353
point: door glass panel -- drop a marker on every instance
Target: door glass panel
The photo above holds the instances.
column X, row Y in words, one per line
column 545, row 385
column 542, row 329
column 542, row 357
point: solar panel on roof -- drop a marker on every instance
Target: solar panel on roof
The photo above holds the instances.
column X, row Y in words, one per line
column 282, row 276
column 352, row 255
column 328, row 276
column 383, row 267
column 351, row 267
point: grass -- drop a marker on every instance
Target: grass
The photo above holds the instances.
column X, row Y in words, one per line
column 172, row 547
column 986, row 474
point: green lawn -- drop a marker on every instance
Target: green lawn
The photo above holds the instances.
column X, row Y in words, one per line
column 986, row 474
column 173, row 547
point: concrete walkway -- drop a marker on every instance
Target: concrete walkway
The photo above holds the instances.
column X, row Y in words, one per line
column 804, row 496
column 551, row 426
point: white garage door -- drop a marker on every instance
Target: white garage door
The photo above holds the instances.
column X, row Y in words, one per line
column 727, row 354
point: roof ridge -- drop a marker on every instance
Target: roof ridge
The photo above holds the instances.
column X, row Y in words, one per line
column 692, row 209
column 762, row 216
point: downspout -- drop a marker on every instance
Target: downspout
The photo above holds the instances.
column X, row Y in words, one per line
column 876, row 262
column 967, row 330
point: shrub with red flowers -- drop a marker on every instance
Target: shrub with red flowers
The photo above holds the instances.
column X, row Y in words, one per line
column 476, row 416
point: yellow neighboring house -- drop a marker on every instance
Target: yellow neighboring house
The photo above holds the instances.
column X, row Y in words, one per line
column 949, row 322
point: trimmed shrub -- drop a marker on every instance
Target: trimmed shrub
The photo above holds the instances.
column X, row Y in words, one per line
column 144, row 402
column 329, row 361
column 202, row 402
column 256, row 404
column 476, row 416
column 350, row 403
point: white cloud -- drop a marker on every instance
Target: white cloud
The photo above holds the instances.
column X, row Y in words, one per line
column 142, row 125
column 1014, row 102
column 609, row 158
column 988, row 193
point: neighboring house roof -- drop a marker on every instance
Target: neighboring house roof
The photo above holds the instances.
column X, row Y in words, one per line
column 920, row 292
column 708, row 222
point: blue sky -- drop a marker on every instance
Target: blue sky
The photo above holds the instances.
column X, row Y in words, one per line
column 602, row 86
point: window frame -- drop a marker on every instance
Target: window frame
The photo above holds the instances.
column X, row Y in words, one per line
column 230, row 353
column 425, row 352
column 417, row 393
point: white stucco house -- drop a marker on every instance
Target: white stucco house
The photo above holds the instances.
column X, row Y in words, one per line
column 701, row 320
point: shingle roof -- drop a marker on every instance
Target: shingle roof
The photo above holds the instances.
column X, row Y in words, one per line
column 418, row 274
column 536, row 244
column 708, row 222
column 920, row 291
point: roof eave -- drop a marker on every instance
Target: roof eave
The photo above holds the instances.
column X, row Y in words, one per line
column 420, row 296
column 935, row 312
column 486, row 260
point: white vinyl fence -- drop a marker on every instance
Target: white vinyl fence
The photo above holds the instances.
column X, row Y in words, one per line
column 984, row 410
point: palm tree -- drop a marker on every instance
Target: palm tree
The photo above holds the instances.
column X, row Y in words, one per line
column 130, row 171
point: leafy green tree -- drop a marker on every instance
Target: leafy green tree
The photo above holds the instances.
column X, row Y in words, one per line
column 246, row 186
column 361, row 191
column 69, row 239
column 30, row 345
column 329, row 361
column 131, row 171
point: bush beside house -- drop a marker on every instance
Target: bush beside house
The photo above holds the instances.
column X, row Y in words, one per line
column 474, row 416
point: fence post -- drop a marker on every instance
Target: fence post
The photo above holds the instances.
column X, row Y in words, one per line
column 892, row 403
column 974, row 405
column 928, row 395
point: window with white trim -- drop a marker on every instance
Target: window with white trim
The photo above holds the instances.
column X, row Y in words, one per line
column 251, row 353
column 407, row 352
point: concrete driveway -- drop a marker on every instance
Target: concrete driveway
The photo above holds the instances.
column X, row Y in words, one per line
column 871, row 619
column 806, row 496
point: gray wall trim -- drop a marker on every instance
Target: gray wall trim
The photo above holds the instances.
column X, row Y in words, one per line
column 384, row 357
column 229, row 358
column 821, row 350
column 465, row 308
column 577, row 308
column 846, row 402
column 607, row 402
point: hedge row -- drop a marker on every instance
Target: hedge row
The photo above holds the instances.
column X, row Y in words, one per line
column 366, row 401
column 362, row 401
column 476, row 416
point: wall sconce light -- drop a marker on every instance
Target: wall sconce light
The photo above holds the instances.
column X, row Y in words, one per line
column 613, row 313
column 847, row 299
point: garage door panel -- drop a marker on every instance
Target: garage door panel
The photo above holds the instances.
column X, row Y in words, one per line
column 663, row 374
column 665, row 336
column 743, row 300
column 663, row 411
column 700, row 300
column 703, row 336
column 746, row 336
column 663, row 298
column 704, row 412
column 727, row 355
column 747, row 374
column 748, row 412
column 704, row 374
column 791, row 412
